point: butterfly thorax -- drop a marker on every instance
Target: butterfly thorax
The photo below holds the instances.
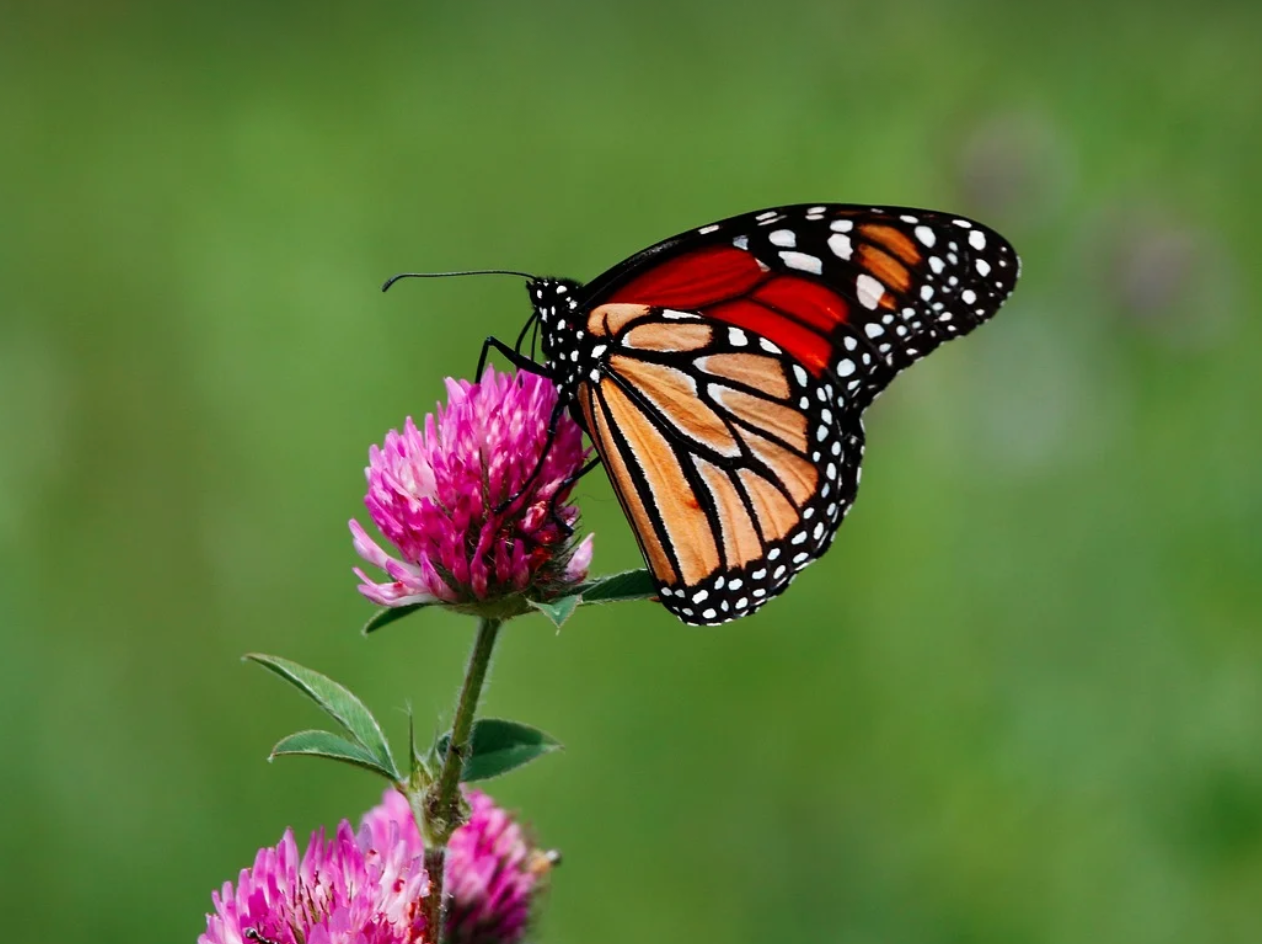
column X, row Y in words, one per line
column 561, row 327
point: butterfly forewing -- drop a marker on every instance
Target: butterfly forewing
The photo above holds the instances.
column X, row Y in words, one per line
column 830, row 283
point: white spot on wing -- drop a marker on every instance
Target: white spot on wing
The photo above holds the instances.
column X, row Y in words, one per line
column 926, row 235
column 783, row 237
column 802, row 260
column 977, row 239
column 841, row 226
column 741, row 242
column 870, row 290
column 839, row 243
column 736, row 337
column 708, row 229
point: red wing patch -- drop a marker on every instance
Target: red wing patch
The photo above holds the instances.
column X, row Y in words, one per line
column 695, row 279
column 732, row 286
column 809, row 302
column 804, row 345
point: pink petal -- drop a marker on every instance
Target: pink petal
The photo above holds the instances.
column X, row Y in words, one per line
column 580, row 560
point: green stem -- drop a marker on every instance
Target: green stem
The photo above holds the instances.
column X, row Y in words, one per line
column 434, row 911
column 443, row 807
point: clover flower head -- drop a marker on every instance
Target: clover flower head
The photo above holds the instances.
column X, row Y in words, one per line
column 339, row 891
column 493, row 873
column 438, row 493
column 369, row 888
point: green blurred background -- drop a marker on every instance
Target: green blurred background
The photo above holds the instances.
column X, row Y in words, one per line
column 1020, row 700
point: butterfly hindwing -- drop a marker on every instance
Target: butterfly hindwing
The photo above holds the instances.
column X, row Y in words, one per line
column 730, row 460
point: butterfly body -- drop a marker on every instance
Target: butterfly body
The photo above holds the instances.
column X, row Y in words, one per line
column 722, row 376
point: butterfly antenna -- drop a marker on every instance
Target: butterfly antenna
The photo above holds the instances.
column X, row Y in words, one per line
column 444, row 275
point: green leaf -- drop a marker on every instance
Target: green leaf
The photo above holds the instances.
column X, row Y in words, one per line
column 332, row 746
column 388, row 614
column 338, row 702
column 558, row 610
column 631, row 585
column 498, row 746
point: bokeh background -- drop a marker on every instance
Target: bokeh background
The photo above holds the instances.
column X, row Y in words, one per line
column 1019, row 701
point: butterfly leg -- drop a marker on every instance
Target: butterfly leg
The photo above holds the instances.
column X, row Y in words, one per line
column 553, row 422
column 520, row 361
column 564, row 487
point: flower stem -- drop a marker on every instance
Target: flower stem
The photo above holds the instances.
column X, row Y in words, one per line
column 444, row 811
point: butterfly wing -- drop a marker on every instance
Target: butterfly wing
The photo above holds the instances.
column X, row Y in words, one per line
column 734, row 363
column 861, row 291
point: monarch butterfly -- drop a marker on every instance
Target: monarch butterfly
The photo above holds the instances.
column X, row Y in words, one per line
column 722, row 376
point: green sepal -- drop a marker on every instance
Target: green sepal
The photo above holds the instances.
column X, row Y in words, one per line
column 339, row 703
column 497, row 746
column 332, row 746
column 421, row 767
column 388, row 614
column 630, row 585
column 558, row 610
column 616, row 588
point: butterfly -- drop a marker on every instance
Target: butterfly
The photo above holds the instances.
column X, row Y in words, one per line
column 722, row 376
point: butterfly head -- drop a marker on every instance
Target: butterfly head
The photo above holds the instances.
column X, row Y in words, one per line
column 560, row 318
